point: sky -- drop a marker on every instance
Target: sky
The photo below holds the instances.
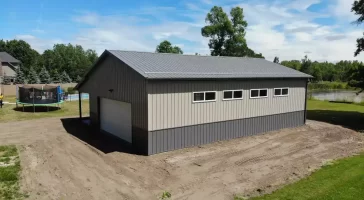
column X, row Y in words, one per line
column 289, row 29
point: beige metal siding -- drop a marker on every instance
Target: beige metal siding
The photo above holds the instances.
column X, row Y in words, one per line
column 170, row 102
column 127, row 85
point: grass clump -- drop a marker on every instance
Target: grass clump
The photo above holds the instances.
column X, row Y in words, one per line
column 7, row 151
column 165, row 195
column 9, row 174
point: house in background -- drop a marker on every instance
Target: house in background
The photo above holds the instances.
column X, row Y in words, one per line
column 162, row 102
column 8, row 65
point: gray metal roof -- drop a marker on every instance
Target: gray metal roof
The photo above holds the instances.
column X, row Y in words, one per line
column 5, row 57
column 175, row 66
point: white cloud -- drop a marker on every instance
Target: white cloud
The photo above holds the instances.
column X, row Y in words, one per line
column 25, row 37
column 342, row 9
column 207, row 2
column 37, row 43
column 37, row 30
column 144, row 29
column 88, row 18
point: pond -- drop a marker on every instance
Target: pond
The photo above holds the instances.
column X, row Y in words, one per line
column 338, row 95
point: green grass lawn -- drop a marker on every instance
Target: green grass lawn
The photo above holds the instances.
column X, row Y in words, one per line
column 342, row 180
column 9, row 173
column 10, row 113
column 345, row 114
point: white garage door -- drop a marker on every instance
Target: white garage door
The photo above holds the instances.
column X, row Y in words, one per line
column 115, row 117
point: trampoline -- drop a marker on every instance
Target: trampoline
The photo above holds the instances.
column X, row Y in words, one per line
column 46, row 96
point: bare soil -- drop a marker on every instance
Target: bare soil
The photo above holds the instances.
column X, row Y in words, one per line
column 59, row 163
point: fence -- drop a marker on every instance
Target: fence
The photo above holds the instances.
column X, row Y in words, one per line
column 10, row 90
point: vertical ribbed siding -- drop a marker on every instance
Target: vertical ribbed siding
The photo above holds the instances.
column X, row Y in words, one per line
column 188, row 136
column 127, row 85
column 170, row 102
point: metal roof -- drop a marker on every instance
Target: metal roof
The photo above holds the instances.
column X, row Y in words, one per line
column 5, row 57
column 177, row 66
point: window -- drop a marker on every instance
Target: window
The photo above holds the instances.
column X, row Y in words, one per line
column 233, row 94
column 280, row 92
column 210, row 96
column 204, row 96
column 258, row 93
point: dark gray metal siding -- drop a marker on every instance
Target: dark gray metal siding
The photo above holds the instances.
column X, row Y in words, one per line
column 114, row 80
column 188, row 136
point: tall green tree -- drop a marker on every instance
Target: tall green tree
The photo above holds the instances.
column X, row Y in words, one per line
column 357, row 78
column 44, row 76
column 306, row 65
column 227, row 36
column 276, row 60
column 32, row 77
column 55, row 76
column 166, row 47
column 65, row 78
column 358, row 9
column 19, row 76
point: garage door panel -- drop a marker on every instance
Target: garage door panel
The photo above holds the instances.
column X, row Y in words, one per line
column 115, row 118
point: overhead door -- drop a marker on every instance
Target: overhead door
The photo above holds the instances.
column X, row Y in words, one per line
column 115, row 118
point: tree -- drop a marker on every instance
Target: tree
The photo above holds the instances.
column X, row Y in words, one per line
column 70, row 58
column 19, row 76
column 316, row 71
column 33, row 76
column 358, row 9
column 6, row 80
column 64, row 78
column 166, row 47
column 79, row 79
column 276, row 60
column 44, row 76
column 294, row 64
column 55, row 76
column 227, row 36
column 306, row 64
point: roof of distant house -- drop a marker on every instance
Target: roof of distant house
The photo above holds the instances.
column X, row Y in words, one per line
column 5, row 57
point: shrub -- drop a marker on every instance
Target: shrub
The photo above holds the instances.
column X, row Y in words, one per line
column 71, row 90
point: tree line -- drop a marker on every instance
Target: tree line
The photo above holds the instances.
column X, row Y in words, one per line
column 342, row 71
column 61, row 64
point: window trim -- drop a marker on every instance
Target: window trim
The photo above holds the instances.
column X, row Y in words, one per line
column 258, row 97
column 204, row 97
column 232, row 98
column 282, row 95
